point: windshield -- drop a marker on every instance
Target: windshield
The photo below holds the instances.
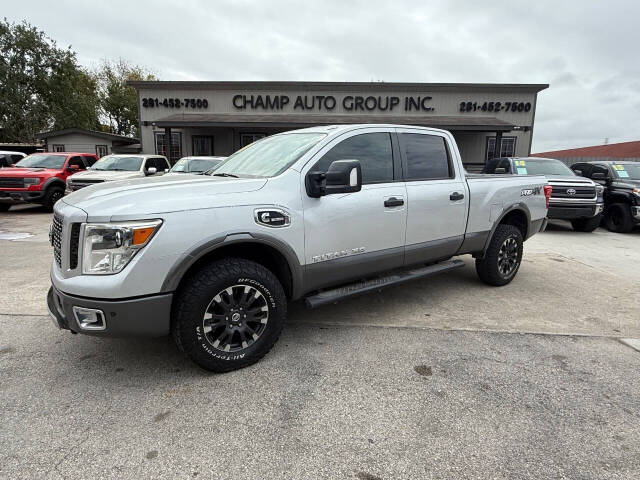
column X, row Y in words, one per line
column 194, row 165
column 270, row 156
column 128, row 164
column 627, row 171
column 541, row 167
column 42, row 161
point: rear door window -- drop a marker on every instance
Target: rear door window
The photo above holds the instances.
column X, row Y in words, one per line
column 76, row 161
column 426, row 157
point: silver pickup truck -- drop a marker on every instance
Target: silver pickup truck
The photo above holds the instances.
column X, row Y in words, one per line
column 322, row 214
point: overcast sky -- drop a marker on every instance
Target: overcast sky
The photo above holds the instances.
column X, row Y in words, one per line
column 587, row 50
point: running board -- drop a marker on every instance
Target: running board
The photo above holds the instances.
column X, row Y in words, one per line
column 378, row 283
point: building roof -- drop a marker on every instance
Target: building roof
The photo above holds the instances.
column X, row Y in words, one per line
column 613, row 150
column 338, row 86
column 308, row 120
column 91, row 133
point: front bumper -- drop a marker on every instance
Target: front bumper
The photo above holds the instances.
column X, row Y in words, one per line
column 145, row 317
column 564, row 211
column 21, row 196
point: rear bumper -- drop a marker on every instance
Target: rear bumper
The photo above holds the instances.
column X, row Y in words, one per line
column 144, row 317
column 21, row 196
column 565, row 211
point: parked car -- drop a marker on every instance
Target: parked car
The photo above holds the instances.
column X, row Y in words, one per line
column 195, row 165
column 322, row 213
column 8, row 158
column 621, row 183
column 119, row 167
column 573, row 198
column 40, row 178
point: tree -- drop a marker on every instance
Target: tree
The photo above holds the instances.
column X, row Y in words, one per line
column 119, row 101
column 41, row 85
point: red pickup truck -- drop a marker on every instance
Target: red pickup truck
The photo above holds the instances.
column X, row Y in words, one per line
column 40, row 178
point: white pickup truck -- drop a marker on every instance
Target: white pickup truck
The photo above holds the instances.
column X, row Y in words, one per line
column 322, row 214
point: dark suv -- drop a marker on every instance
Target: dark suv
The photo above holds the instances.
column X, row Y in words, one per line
column 572, row 198
column 621, row 181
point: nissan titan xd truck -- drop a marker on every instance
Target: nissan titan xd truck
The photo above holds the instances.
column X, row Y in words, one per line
column 320, row 214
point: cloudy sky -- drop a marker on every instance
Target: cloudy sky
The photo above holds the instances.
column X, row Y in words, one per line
column 587, row 50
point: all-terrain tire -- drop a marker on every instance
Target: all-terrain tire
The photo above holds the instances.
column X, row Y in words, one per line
column 506, row 245
column 207, row 290
column 586, row 224
column 52, row 195
column 618, row 218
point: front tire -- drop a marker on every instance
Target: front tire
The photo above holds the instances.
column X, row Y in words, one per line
column 586, row 224
column 52, row 195
column 503, row 257
column 228, row 314
column 618, row 218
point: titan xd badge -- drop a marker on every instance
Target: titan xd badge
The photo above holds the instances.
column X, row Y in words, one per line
column 272, row 217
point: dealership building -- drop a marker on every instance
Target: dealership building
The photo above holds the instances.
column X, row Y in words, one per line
column 218, row 118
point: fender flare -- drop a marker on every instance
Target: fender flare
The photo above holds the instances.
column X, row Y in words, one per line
column 516, row 206
column 53, row 181
column 185, row 262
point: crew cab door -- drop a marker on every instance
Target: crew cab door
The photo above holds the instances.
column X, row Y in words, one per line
column 349, row 236
column 437, row 196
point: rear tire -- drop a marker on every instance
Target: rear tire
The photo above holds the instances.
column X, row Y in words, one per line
column 228, row 314
column 618, row 218
column 4, row 207
column 586, row 224
column 52, row 195
column 502, row 258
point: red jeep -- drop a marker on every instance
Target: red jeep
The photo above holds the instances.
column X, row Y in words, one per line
column 40, row 178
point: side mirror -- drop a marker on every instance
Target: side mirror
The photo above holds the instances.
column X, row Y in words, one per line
column 500, row 170
column 151, row 171
column 73, row 168
column 343, row 176
column 166, row 170
column 578, row 172
column 598, row 176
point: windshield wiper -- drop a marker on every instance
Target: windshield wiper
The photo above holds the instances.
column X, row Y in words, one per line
column 224, row 175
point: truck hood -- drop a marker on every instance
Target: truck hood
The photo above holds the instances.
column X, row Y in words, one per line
column 12, row 172
column 105, row 175
column 569, row 179
column 154, row 195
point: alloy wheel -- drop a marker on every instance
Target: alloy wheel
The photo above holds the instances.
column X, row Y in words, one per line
column 508, row 257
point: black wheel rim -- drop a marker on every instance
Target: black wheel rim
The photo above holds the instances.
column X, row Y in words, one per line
column 235, row 318
column 508, row 257
column 55, row 196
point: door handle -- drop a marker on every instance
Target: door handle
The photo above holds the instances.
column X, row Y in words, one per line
column 393, row 202
column 455, row 196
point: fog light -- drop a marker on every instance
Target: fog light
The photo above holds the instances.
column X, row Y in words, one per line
column 89, row 318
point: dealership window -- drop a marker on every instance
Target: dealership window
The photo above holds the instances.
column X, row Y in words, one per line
column 58, row 148
column 372, row 149
column 176, row 146
column 247, row 138
column 202, row 145
column 101, row 150
column 507, row 147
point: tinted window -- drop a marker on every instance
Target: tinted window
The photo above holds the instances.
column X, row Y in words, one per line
column 372, row 149
column 89, row 160
column 16, row 158
column 5, row 161
column 76, row 161
column 161, row 164
column 427, row 156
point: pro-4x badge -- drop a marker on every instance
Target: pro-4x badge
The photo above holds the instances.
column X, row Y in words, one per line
column 272, row 217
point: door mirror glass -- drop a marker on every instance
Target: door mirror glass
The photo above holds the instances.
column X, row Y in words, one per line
column 73, row 168
column 151, row 170
column 500, row 170
column 343, row 176
column 598, row 176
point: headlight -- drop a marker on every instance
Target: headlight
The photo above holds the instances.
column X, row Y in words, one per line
column 599, row 190
column 31, row 181
column 108, row 248
column 636, row 191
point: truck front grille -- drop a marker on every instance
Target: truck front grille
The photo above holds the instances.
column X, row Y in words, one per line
column 78, row 184
column 12, row 182
column 560, row 191
column 74, row 241
column 56, row 239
